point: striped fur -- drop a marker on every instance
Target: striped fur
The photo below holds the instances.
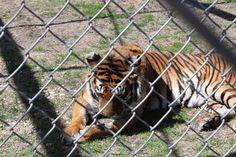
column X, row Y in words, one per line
column 175, row 84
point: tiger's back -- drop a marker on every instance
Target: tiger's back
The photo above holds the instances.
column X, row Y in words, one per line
column 190, row 78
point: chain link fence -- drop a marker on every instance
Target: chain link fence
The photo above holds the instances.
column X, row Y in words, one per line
column 43, row 48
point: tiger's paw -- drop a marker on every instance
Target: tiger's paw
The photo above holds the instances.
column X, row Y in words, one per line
column 70, row 134
column 69, row 140
column 81, row 136
column 208, row 122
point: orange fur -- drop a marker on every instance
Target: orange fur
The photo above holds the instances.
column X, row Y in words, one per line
column 115, row 115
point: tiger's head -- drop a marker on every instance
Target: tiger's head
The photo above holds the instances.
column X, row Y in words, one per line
column 109, row 75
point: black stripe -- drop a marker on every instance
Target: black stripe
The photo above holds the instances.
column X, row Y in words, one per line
column 197, row 58
column 169, row 95
column 103, row 80
column 188, row 57
column 210, row 81
column 180, row 89
column 159, row 60
column 214, row 95
column 116, row 80
column 110, row 65
column 118, row 74
column 158, row 90
column 177, row 60
column 91, row 85
column 216, row 86
column 222, row 97
column 187, row 63
column 230, row 97
column 105, row 69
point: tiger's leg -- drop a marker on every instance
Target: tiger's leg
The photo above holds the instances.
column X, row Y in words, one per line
column 211, row 117
column 226, row 94
column 104, row 127
column 78, row 121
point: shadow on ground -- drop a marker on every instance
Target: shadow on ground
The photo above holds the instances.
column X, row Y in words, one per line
column 27, row 87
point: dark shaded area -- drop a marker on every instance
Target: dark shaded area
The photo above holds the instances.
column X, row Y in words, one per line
column 27, row 84
column 230, row 155
column 213, row 10
column 204, row 31
column 233, row 154
column 152, row 117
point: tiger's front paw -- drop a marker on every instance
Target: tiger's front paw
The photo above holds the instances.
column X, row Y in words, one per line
column 209, row 121
column 68, row 139
column 69, row 135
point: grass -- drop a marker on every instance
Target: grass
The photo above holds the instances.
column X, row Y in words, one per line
column 9, row 111
column 90, row 9
column 103, row 44
column 72, row 74
column 154, row 147
column 169, row 130
column 147, row 19
column 97, row 147
column 175, row 45
column 38, row 49
column 131, row 8
column 25, row 152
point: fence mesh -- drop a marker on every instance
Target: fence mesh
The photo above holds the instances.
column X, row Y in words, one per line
column 43, row 48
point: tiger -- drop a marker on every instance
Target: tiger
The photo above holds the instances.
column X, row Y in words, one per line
column 124, row 84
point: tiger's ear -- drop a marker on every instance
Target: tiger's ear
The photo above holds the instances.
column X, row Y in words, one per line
column 137, row 50
column 93, row 59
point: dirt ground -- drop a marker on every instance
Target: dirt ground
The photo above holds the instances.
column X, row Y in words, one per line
column 43, row 40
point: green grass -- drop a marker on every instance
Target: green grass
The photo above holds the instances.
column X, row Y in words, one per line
column 38, row 49
column 175, row 44
column 9, row 111
column 62, row 55
column 103, row 45
column 72, row 74
column 25, row 152
column 91, row 9
column 95, row 147
column 137, row 135
column 147, row 19
column 155, row 147
column 71, row 78
column 131, row 8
